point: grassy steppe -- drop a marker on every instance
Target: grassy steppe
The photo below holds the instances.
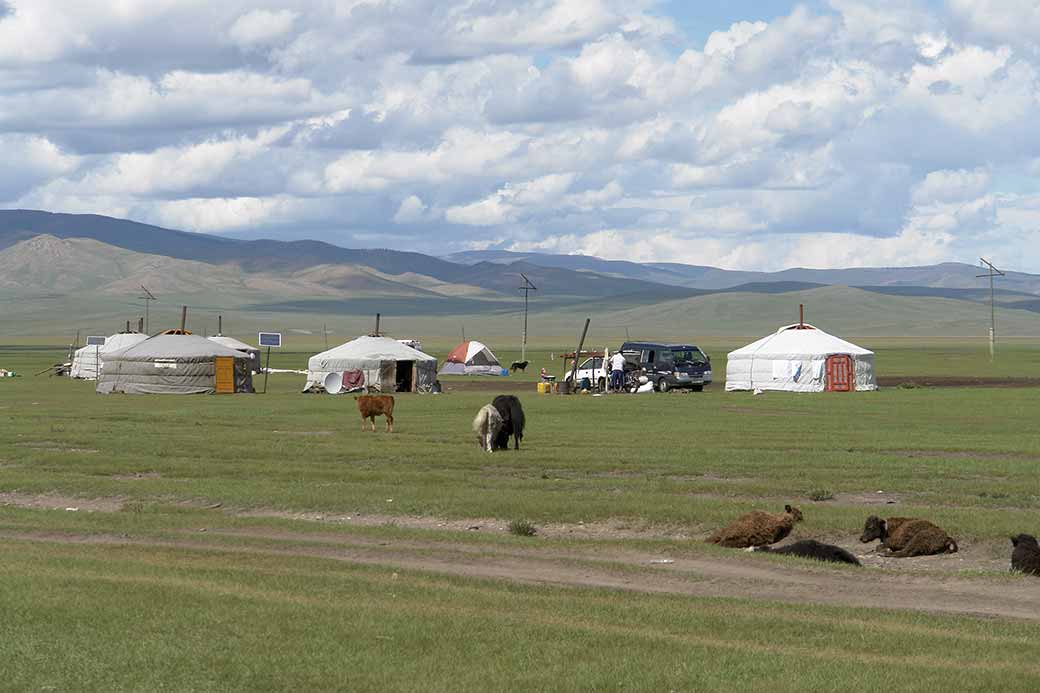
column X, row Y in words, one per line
column 86, row 607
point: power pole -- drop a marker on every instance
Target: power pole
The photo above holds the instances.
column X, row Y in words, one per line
column 526, row 288
column 147, row 298
column 993, row 272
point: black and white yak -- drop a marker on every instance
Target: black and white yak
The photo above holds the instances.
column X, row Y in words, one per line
column 512, row 414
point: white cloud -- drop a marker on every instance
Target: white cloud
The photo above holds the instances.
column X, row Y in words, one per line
column 951, row 186
column 869, row 132
column 727, row 42
column 410, row 211
column 29, row 160
column 261, row 27
column 511, row 201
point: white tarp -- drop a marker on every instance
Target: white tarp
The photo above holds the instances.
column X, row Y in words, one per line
column 85, row 363
column 794, row 359
column 377, row 358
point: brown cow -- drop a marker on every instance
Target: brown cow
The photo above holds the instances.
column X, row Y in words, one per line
column 372, row 406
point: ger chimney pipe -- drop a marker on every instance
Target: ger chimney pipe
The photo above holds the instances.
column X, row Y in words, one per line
column 184, row 318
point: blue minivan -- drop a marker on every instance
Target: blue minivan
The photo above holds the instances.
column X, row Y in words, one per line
column 668, row 366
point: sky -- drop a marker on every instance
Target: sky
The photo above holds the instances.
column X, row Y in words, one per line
column 742, row 134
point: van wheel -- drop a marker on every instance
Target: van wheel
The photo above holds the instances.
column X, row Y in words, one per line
column 662, row 385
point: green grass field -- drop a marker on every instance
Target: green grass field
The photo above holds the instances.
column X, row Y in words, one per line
column 210, row 546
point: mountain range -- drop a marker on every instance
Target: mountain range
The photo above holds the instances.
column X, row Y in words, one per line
column 72, row 259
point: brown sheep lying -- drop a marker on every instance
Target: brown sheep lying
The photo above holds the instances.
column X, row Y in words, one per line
column 1026, row 555
column 757, row 528
column 906, row 537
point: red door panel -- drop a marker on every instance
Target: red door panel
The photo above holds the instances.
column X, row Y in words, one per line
column 840, row 375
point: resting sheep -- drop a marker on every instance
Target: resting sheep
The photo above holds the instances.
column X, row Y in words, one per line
column 810, row 548
column 906, row 537
column 487, row 425
column 1025, row 557
column 372, row 406
column 757, row 528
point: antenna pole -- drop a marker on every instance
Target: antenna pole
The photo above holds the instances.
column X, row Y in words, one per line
column 993, row 272
column 526, row 288
column 147, row 298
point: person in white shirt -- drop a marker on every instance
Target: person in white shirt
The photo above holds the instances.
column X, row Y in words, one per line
column 617, row 372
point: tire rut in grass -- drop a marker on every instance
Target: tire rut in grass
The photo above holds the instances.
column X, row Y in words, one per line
column 741, row 576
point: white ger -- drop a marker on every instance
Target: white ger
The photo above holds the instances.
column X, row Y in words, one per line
column 801, row 358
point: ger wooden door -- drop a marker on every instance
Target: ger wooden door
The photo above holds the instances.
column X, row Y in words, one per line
column 225, row 374
column 840, row 375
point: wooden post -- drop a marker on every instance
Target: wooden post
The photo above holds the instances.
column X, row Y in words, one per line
column 577, row 355
column 184, row 318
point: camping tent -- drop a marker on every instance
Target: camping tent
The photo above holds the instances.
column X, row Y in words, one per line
column 85, row 363
column 232, row 343
column 385, row 364
column 175, row 364
column 801, row 358
column 471, row 358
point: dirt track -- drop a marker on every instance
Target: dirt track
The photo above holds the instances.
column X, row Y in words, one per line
column 738, row 576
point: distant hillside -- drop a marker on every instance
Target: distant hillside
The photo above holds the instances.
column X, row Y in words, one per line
column 60, row 268
column 837, row 309
column 46, row 265
column 269, row 256
column 951, row 275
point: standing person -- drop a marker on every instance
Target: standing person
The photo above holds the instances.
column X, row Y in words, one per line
column 617, row 372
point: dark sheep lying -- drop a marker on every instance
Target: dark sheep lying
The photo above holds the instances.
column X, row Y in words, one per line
column 1025, row 557
column 810, row 548
column 757, row 528
column 906, row 537
column 512, row 421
